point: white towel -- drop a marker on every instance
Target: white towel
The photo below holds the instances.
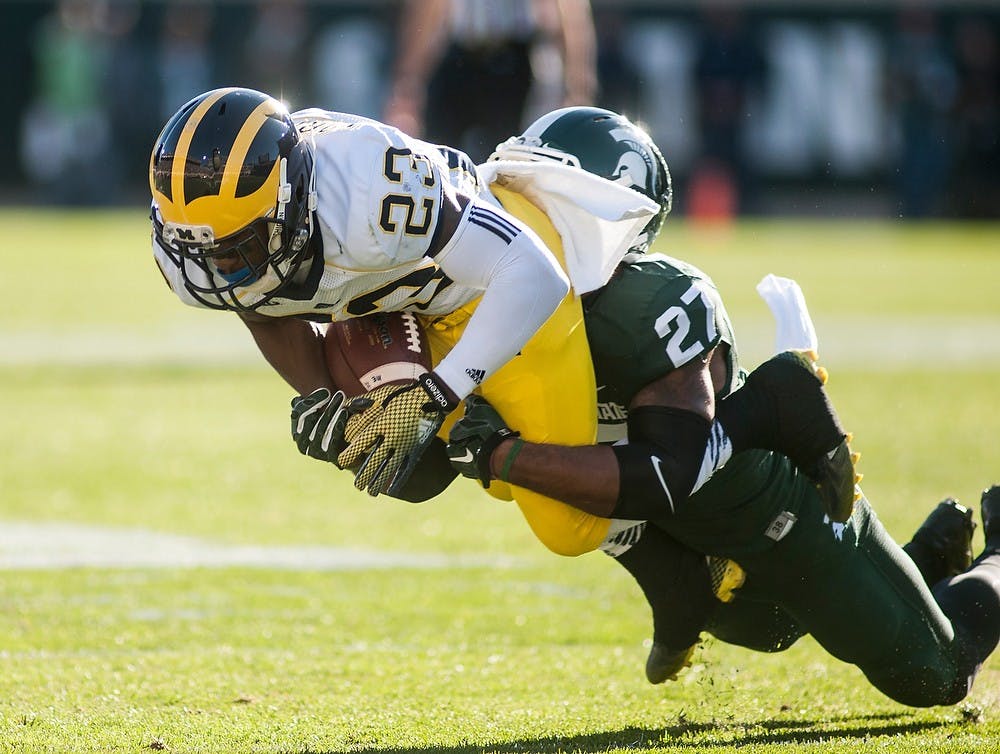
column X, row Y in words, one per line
column 596, row 219
column 793, row 325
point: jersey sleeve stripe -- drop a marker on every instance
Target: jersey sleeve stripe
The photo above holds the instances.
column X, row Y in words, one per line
column 503, row 221
column 494, row 223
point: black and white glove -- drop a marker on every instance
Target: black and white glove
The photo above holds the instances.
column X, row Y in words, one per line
column 318, row 422
column 389, row 429
column 474, row 437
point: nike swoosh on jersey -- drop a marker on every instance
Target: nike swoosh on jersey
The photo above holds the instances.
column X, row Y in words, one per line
column 663, row 483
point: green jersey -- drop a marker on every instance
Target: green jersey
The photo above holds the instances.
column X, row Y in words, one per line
column 847, row 584
column 657, row 314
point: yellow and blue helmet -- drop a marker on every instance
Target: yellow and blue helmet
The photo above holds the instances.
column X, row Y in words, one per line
column 232, row 179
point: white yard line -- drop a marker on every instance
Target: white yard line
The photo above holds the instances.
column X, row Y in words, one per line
column 33, row 545
column 887, row 343
column 223, row 343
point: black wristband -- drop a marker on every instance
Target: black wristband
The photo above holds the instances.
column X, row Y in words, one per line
column 486, row 453
column 442, row 398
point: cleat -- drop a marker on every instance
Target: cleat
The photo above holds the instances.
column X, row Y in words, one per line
column 942, row 546
column 855, row 457
column 822, row 374
column 677, row 582
column 990, row 503
column 858, row 478
column 850, row 437
column 727, row 576
column 804, row 426
column 663, row 664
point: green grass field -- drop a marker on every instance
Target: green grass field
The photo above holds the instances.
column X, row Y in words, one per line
column 176, row 577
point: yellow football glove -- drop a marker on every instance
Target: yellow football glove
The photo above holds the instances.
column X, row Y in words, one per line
column 389, row 429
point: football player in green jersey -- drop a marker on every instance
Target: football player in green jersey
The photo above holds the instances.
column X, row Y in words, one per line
column 664, row 358
column 785, row 410
column 921, row 644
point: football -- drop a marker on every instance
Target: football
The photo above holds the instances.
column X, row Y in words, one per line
column 365, row 352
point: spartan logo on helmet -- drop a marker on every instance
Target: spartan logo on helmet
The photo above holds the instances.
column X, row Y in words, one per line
column 635, row 167
column 604, row 143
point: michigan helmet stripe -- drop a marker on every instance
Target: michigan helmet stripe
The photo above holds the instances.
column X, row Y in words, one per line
column 184, row 144
column 238, row 154
column 224, row 193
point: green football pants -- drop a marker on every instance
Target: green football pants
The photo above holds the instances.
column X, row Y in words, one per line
column 859, row 595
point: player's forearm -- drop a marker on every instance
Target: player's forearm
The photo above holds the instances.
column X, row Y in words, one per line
column 585, row 477
column 579, row 52
column 648, row 478
column 422, row 34
column 294, row 349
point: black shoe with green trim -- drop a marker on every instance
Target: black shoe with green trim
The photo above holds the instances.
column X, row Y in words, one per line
column 942, row 546
column 663, row 663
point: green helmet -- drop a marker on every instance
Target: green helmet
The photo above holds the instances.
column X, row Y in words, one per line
column 604, row 143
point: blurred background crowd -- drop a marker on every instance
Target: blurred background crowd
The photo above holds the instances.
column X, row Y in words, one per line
column 762, row 107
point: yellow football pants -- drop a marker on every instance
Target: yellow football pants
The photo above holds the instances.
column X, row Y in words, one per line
column 547, row 393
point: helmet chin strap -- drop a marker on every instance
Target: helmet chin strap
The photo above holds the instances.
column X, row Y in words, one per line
column 300, row 235
column 311, row 199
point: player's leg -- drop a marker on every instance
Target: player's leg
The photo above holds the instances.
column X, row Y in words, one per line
column 826, row 575
column 940, row 549
column 685, row 591
column 678, row 587
column 971, row 600
column 759, row 626
column 784, row 407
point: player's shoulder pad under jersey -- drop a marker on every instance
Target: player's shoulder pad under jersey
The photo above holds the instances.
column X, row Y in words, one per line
column 379, row 191
column 658, row 311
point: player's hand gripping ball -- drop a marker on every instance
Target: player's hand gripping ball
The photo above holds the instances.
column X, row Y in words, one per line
column 386, row 348
column 318, row 422
column 389, row 429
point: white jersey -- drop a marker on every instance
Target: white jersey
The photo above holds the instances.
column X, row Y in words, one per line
column 379, row 197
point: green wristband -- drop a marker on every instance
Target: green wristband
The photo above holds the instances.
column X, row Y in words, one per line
column 509, row 462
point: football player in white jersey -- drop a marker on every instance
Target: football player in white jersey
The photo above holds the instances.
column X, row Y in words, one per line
column 281, row 217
